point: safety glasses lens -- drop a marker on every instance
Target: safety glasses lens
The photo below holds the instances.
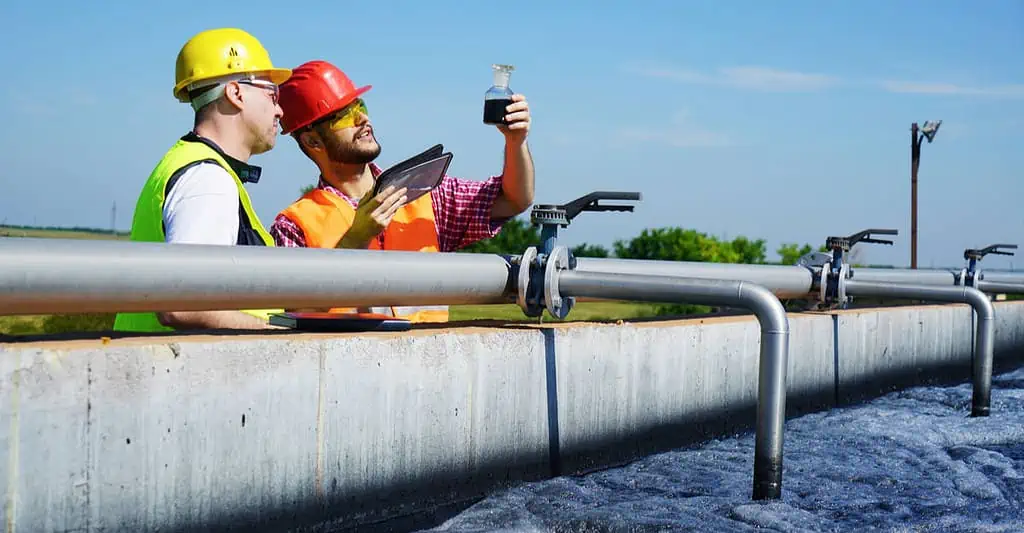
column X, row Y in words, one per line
column 346, row 118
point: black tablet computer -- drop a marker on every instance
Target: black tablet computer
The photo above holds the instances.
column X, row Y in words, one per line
column 418, row 179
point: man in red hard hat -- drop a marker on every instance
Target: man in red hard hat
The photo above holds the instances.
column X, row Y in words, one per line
column 325, row 114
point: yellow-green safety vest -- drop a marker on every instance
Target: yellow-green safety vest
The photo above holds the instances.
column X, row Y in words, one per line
column 148, row 226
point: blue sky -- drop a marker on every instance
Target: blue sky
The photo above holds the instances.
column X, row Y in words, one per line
column 783, row 120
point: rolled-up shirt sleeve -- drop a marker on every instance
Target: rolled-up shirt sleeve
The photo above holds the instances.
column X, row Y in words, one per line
column 462, row 211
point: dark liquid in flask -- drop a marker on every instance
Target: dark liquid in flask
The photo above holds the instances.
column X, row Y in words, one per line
column 494, row 110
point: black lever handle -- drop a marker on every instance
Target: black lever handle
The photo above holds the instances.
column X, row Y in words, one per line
column 994, row 249
column 590, row 202
column 861, row 236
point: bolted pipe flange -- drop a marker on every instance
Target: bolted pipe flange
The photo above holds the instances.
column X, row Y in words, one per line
column 525, row 296
column 833, row 285
column 560, row 259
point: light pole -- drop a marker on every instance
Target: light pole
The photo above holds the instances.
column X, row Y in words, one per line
column 927, row 132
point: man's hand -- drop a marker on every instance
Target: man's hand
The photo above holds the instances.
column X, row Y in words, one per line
column 518, row 118
column 372, row 216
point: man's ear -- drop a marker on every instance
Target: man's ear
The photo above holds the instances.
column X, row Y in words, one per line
column 234, row 95
column 310, row 141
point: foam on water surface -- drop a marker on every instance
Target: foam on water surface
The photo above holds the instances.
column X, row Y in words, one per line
column 911, row 461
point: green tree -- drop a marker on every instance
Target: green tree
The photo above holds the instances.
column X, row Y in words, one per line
column 589, row 250
column 789, row 253
column 750, row 252
column 514, row 238
column 678, row 244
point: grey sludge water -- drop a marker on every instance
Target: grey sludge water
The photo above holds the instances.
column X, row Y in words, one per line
column 909, row 461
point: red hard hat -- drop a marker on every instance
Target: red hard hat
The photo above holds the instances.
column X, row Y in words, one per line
column 315, row 90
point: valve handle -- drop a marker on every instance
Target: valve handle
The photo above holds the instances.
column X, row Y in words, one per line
column 994, row 249
column 845, row 243
column 590, row 202
column 564, row 213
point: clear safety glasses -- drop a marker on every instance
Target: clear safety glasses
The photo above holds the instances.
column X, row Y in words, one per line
column 275, row 91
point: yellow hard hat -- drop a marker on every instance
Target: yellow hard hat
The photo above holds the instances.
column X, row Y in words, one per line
column 222, row 52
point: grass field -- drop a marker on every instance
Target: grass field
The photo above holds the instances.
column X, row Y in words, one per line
column 38, row 233
column 599, row 311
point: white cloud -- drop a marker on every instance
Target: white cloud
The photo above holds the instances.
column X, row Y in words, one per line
column 910, row 87
column 756, row 78
column 769, row 79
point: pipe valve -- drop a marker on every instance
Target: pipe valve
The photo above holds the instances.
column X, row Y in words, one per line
column 835, row 272
column 538, row 266
column 970, row 274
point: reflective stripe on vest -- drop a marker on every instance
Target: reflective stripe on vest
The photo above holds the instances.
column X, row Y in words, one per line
column 324, row 218
column 147, row 222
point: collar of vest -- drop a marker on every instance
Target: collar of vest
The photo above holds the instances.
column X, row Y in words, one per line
column 246, row 173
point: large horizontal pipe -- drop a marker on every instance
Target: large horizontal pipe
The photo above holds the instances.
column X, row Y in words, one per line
column 992, row 287
column 44, row 276
column 771, row 386
column 984, row 347
column 784, row 281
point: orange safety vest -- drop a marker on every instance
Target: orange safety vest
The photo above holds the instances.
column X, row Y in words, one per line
column 324, row 218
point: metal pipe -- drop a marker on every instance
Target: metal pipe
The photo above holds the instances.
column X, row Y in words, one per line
column 985, row 328
column 993, row 287
column 44, row 276
column 771, row 387
column 784, row 281
column 917, row 277
column 1002, row 277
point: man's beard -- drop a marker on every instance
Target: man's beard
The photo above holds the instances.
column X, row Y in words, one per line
column 352, row 154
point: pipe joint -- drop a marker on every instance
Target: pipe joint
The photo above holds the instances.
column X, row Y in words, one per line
column 537, row 287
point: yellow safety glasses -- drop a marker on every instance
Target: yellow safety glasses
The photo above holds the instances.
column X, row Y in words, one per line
column 347, row 117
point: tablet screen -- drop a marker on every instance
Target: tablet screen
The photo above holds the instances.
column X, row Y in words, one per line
column 418, row 180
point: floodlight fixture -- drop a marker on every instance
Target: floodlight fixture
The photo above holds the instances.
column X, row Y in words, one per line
column 930, row 129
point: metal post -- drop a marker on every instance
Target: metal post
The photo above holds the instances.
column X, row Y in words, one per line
column 771, row 387
column 984, row 339
column 915, row 159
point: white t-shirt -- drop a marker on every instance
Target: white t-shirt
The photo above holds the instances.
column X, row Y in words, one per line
column 202, row 207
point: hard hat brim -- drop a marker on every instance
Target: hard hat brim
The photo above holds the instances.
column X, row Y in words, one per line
column 340, row 105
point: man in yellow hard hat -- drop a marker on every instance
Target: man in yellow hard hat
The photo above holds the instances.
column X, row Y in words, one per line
column 195, row 194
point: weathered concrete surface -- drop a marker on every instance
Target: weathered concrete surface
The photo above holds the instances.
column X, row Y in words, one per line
column 185, row 432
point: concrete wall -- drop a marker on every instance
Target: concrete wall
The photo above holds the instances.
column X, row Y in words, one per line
column 182, row 432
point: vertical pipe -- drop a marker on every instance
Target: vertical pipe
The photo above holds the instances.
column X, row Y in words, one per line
column 984, row 338
column 548, row 236
column 772, row 366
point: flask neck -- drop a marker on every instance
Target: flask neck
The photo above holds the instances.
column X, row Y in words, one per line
column 501, row 78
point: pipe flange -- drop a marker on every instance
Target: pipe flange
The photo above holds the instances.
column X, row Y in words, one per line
column 525, row 267
column 823, row 283
column 826, row 282
column 844, row 274
column 971, row 279
column 560, row 259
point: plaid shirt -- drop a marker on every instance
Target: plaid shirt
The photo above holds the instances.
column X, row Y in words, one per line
column 462, row 212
